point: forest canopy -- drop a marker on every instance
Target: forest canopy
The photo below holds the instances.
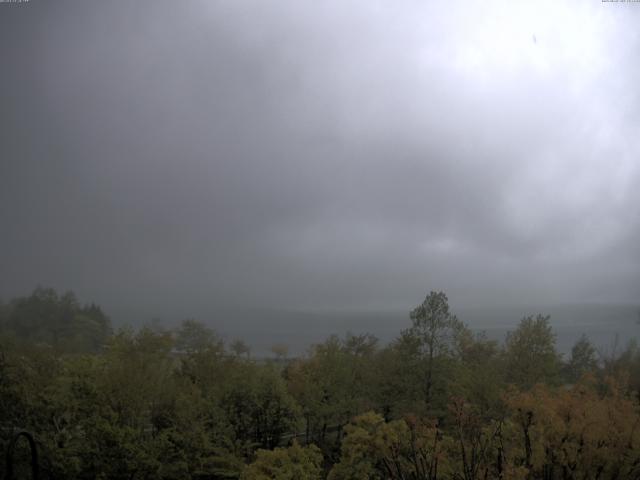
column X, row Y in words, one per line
column 438, row 402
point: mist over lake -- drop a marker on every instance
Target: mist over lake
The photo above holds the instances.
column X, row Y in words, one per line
column 299, row 330
column 319, row 240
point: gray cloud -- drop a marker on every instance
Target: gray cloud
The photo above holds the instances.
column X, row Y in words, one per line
column 298, row 154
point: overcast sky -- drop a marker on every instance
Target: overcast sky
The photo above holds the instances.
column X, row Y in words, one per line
column 176, row 156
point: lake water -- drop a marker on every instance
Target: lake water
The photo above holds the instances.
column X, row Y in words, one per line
column 262, row 329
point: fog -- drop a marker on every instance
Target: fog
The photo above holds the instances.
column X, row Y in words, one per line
column 174, row 159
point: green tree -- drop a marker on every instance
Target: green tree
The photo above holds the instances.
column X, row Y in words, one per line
column 332, row 385
column 530, row 353
column 257, row 405
column 583, row 359
column 478, row 375
column 240, row 348
column 56, row 320
column 433, row 338
column 401, row 449
column 193, row 336
column 292, row 463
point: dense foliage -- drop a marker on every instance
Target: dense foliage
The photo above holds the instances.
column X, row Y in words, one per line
column 437, row 403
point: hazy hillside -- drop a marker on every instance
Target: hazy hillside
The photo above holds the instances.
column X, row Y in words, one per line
column 261, row 328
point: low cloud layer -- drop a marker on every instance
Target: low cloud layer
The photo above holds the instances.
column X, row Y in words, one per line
column 320, row 155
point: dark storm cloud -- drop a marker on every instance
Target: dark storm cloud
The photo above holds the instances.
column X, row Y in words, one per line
column 305, row 154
